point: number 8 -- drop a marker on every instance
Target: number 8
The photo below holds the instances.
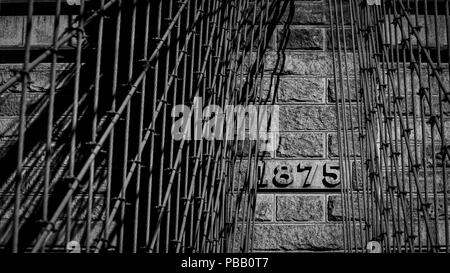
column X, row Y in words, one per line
column 283, row 176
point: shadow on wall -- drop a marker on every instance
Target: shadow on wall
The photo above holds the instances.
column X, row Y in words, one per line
column 37, row 117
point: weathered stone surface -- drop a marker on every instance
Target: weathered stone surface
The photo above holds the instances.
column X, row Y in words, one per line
column 240, row 172
column 301, row 145
column 305, row 38
column 39, row 77
column 305, row 63
column 348, row 88
column 301, row 63
column 10, row 103
column 11, row 30
column 307, row 118
column 294, row 90
column 43, row 25
column 300, row 208
column 297, row 237
column 333, row 145
column 347, row 43
column 335, row 208
column 8, row 127
column 305, row 14
column 264, row 208
column 244, row 146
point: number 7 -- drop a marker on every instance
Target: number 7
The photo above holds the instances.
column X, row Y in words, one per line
column 311, row 173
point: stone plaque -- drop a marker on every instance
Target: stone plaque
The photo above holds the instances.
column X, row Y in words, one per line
column 299, row 175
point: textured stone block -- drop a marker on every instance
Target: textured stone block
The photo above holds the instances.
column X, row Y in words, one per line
column 8, row 127
column 304, row 38
column 300, row 208
column 343, row 14
column 302, row 13
column 349, row 90
column 244, row 146
column 301, row 145
column 346, row 39
column 264, row 207
column 39, row 77
column 304, row 63
column 297, row 237
column 10, row 103
column 11, row 30
column 42, row 33
column 293, row 89
column 307, row 118
column 335, row 208
column 333, row 145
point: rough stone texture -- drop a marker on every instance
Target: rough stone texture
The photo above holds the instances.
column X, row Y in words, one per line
column 348, row 39
column 333, row 145
column 300, row 208
column 294, row 38
column 335, row 209
column 348, row 88
column 10, row 103
column 42, row 33
column 11, row 30
column 294, row 90
column 240, row 171
column 305, row 14
column 8, row 127
column 345, row 15
column 243, row 148
column 297, row 237
column 305, row 63
column 39, row 78
column 307, row 118
column 264, row 208
column 301, row 63
column 301, row 145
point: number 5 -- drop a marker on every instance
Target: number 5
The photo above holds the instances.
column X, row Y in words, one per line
column 330, row 175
